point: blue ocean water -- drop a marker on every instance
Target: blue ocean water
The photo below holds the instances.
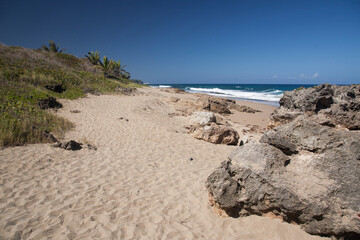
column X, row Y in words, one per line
column 263, row 93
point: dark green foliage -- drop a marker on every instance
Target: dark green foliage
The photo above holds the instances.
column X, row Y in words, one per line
column 94, row 57
column 24, row 73
column 106, row 65
column 52, row 47
column 117, row 69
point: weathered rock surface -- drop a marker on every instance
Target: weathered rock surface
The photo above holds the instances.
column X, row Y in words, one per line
column 213, row 105
column 202, row 117
column 327, row 104
column 243, row 108
column 217, row 134
column 304, row 172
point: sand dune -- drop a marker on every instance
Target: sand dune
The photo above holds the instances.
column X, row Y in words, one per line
column 138, row 184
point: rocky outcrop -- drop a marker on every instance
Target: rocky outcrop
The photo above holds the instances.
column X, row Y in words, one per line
column 217, row 134
column 327, row 104
column 243, row 108
column 305, row 171
column 202, row 118
column 216, row 105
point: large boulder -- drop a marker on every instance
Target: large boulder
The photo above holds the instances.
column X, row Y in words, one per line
column 339, row 105
column 217, row 134
column 202, row 117
column 302, row 171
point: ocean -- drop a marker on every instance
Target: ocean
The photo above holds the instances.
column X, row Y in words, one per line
column 263, row 93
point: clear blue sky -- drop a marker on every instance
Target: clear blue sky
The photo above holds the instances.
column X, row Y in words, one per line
column 200, row 41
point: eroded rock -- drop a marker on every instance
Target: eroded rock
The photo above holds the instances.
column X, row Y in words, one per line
column 339, row 105
column 217, row 134
column 202, row 117
column 316, row 186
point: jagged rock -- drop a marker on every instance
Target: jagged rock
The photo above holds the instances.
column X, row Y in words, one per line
column 217, row 134
column 243, row 108
column 216, row 105
column 68, row 145
column 58, row 88
column 202, row 118
column 340, row 105
column 49, row 102
column 317, row 186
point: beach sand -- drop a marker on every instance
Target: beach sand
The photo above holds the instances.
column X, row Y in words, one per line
column 138, row 184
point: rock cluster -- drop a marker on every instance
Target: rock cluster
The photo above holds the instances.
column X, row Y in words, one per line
column 304, row 171
column 326, row 104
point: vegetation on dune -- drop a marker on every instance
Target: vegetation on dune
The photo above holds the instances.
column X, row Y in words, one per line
column 94, row 57
column 105, row 66
column 28, row 77
column 52, row 47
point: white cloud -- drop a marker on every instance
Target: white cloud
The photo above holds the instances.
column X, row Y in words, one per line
column 315, row 75
column 302, row 75
column 275, row 76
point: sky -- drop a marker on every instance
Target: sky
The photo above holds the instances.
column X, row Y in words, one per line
column 239, row 41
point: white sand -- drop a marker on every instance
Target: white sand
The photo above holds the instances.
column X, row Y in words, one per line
column 139, row 184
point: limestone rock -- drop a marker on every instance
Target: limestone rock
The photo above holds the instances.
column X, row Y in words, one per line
column 340, row 105
column 216, row 105
column 202, row 118
column 217, row 134
column 316, row 186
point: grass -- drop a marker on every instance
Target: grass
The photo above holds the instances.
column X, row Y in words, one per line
column 24, row 73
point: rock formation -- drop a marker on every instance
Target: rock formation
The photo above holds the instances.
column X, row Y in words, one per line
column 327, row 104
column 202, row 118
column 305, row 171
column 217, row 134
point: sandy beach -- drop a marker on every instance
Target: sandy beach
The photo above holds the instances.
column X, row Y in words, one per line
column 138, row 184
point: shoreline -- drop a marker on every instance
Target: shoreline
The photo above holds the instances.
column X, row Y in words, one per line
column 243, row 92
column 139, row 183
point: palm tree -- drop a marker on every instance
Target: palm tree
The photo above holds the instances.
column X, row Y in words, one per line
column 106, row 65
column 94, row 57
column 117, row 68
column 126, row 75
column 52, row 47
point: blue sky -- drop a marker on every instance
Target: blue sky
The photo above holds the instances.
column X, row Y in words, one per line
column 200, row 41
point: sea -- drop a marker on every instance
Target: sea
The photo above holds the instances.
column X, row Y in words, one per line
column 263, row 93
